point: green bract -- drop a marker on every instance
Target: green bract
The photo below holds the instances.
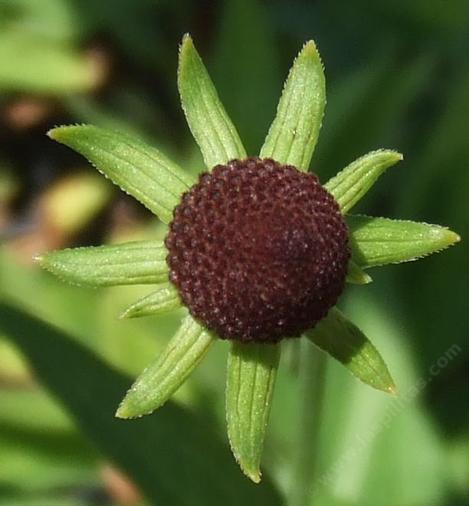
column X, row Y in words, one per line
column 158, row 183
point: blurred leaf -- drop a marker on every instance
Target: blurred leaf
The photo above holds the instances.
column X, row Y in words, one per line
column 356, row 275
column 137, row 262
column 341, row 339
column 370, row 106
column 20, row 405
column 352, row 183
column 250, row 383
column 12, row 368
column 311, row 377
column 209, row 123
column 380, row 241
column 39, row 461
column 459, row 464
column 136, row 28
column 48, row 500
column 35, row 64
column 441, row 160
column 9, row 182
column 72, row 202
column 348, row 99
column 50, row 19
column 379, row 439
column 168, row 372
column 295, row 129
column 139, row 169
column 252, row 67
column 169, row 456
column 414, row 458
column 43, row 449
column 165, row 298
column 130, row 112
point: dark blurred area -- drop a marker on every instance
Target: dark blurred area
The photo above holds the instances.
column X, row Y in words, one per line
column 397, row 77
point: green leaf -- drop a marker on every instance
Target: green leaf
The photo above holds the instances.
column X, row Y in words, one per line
column 165, row 298
column 167, row 456
column 250, row 383
column 139, row 169
column 44, row 452
column 351, row 183
column 209, row 123
column 344, row 341
column 35, row 64
column 168, row 372
column 295, row 129
column 356, row 275
column 241, row 20
column 131, row 263
column 380, row 241
column 47, row 499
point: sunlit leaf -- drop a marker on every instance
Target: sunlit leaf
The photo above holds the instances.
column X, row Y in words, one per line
column 52, row 499
column 352, row 183
column 165, row 298
column 344, row 341
column 250, row 383
column 53, row 19
column 167, row 456
column 36, row 64
column 209, row 123
column 71, row 203
column 138, row 262
column 295, row 129
column 379, row 241
column 139, row 169
column 168, row 372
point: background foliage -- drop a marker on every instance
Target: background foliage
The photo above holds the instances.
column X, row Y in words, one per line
column 398, row 77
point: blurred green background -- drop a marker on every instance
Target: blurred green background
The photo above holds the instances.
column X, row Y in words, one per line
column 398, row 76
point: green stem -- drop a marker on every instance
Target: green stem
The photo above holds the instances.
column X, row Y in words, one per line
column 312, row 375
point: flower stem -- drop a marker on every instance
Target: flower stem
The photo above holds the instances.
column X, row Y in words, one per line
column 312, row 376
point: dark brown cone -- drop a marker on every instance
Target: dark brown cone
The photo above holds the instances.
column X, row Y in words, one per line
column 258, row 250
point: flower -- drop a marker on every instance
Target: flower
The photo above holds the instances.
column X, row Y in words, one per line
column 256, row 250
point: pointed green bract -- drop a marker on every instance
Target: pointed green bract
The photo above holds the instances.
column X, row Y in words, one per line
column 344, row 341
column 167, row 373
column 380, row 241
column 351, row 183
column 250, row 383
column 209, row 123
column 165, row 298
column 356, row 275
column 294, row 132
column 132, row 263
column 139, row 169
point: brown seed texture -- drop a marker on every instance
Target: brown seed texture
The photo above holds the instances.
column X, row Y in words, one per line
column 258, row 250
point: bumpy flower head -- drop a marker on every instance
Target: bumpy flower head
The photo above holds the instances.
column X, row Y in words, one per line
column 256, row 250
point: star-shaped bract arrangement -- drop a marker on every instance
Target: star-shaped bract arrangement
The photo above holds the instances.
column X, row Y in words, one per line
column 160, row 184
